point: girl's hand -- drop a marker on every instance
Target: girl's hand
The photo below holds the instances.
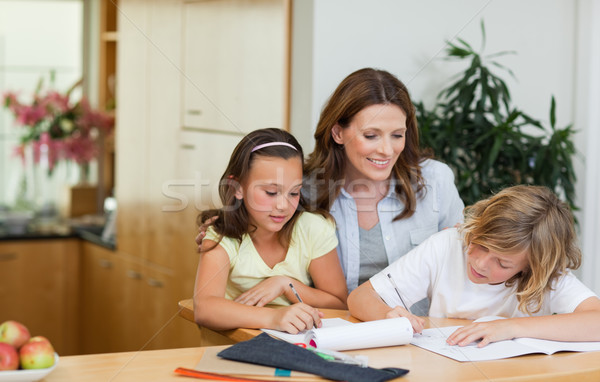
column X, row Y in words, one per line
column 417, row 322
column 202, row 231
column 487, row 332
column 265, row 291
column 296, row 318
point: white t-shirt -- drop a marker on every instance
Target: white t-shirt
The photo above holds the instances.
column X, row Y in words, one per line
column 312, row 237
column 437, row 269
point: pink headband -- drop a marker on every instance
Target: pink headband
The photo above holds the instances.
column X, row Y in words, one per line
column 272, row 144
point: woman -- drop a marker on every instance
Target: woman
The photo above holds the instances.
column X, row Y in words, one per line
column 385, row 193
column 367, row 169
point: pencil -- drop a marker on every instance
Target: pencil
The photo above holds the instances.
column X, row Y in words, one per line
column 397, row 291
column 295, row 292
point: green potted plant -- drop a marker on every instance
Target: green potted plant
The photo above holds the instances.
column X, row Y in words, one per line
column 488, row 142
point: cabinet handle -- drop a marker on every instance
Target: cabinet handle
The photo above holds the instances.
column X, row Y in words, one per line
column 194, row 112
column 134, row 274
column 8, row 256
column 106, row 264
column 155, row 283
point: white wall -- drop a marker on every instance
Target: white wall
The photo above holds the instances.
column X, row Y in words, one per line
column 332, row 38
column 408, row 38
column 587, row 118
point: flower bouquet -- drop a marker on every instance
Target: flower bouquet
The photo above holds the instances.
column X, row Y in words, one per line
column 57, row 128
column 53, row 129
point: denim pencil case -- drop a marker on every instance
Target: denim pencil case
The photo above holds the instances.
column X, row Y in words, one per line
column 268, row 351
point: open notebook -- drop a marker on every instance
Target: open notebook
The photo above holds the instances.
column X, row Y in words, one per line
column 434, row 340
column 338, row 334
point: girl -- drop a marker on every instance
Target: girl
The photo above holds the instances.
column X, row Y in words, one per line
column 262, row 244
column 512, row 257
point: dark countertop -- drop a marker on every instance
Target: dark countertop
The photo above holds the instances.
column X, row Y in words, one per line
column 91, row 233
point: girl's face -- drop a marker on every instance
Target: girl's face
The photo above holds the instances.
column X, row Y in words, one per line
column 485, row 266
column 271, row 192
column 372, row 142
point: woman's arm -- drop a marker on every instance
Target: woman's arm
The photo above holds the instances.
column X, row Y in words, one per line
column 213, row 310
column 581, row 325
column 202, row 231
column 365, row 304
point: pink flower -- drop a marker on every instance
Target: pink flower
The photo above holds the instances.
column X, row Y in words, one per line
column 81, row 149
column 54, row 126
column 55, row 103
column 30, row 115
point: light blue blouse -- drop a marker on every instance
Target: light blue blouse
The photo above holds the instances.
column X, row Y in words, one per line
column 440, row 207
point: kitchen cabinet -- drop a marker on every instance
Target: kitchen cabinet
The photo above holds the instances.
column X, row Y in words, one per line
column 162, row 327
column 149, row 119
column 39, row 286
column 110, row 285
column 235, row 60
column 129, row 305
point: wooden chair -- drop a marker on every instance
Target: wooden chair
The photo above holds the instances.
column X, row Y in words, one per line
column 186, row 309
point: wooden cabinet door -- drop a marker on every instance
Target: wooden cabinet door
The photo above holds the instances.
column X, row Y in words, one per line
column 110, row 298
column 39, row 287
column 130, row 305
column 236, row 64
column 162, row 326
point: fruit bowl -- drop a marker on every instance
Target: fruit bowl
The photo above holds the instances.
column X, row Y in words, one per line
column 27, row 375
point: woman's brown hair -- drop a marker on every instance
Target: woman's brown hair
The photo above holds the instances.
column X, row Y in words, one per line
column 326, row 165
column 532, row 219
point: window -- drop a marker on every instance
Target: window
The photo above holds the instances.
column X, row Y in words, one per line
column 37, row 37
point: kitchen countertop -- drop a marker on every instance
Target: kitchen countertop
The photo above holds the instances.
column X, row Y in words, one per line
column 60, row 230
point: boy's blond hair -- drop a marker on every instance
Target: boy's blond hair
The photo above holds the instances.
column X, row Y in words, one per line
column 531, row 219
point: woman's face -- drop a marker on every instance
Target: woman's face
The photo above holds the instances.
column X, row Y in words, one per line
column 372, row 142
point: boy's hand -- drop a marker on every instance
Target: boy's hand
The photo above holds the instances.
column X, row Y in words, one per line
column 418, row 324
column 487, row 332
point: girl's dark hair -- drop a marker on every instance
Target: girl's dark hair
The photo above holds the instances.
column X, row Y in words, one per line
column 327, row 163
column 233, row 218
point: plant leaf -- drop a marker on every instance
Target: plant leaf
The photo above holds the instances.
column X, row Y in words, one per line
column 553, row 113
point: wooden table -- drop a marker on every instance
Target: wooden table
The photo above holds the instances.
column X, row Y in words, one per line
column 158, row 365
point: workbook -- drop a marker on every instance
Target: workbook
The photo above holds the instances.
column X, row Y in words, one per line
column 338, row 334
column 434, row 340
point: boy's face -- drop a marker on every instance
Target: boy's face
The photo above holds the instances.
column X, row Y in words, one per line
column 485, row 266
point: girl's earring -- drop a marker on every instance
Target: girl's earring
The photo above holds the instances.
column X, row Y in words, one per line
column 239, row 195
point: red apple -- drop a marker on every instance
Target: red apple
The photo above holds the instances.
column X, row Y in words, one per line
column 38, row 353
column 39, row 339
column 14, row 333
column 9, row 358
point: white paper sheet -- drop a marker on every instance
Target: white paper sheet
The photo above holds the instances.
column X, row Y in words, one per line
column 299, row 338
column 339, row 334
column 380, row 333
